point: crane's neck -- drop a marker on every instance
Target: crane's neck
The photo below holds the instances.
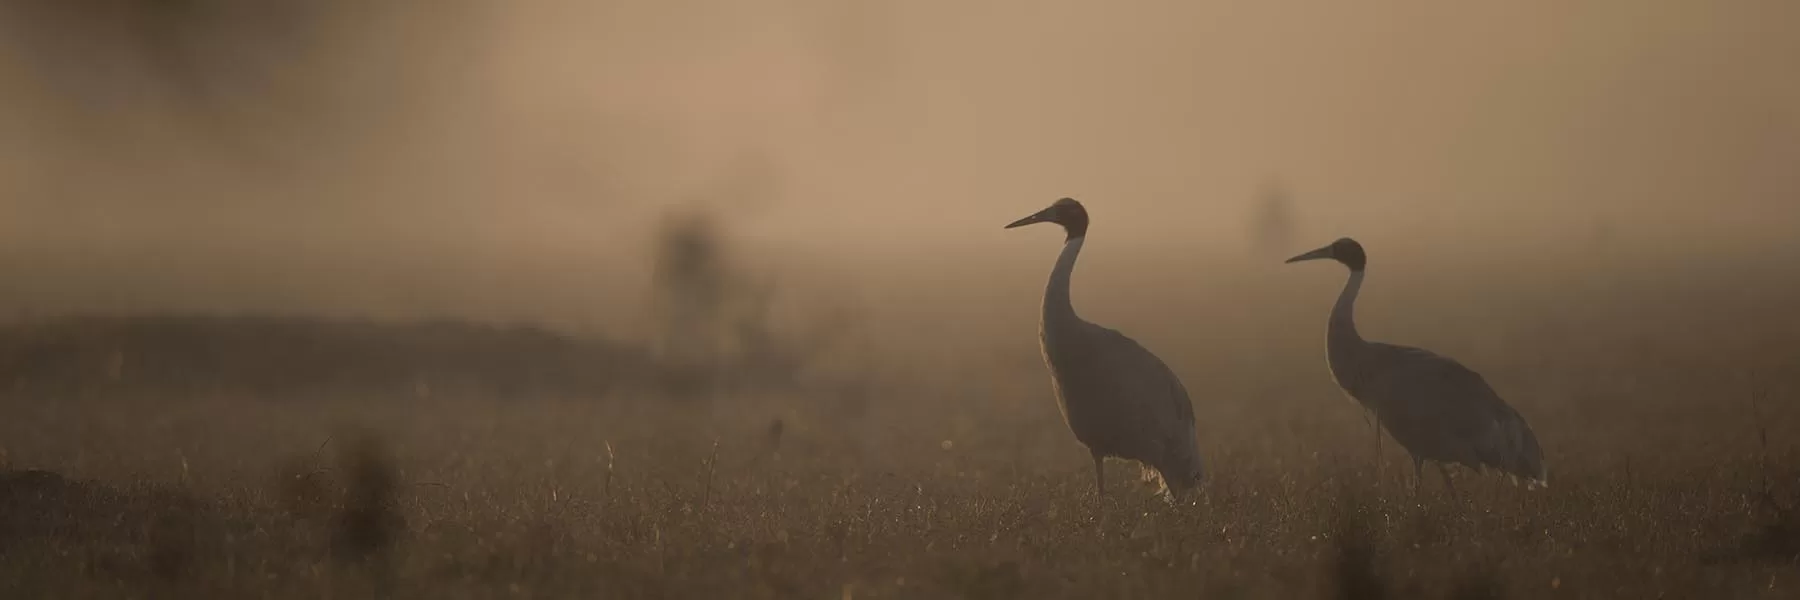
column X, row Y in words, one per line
column 1057, row 306
column 1343, row 314
column 1343, row 345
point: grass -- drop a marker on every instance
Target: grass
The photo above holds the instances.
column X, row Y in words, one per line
column 1673, row 474
column 519, row 500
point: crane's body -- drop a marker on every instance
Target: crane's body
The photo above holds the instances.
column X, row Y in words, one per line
column 1434, row 407
column 1118, row 398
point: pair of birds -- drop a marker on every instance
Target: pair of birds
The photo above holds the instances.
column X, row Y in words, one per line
column 1121, row 401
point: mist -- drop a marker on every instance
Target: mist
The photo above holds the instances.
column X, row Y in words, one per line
column 698, row 298
column 509, row 162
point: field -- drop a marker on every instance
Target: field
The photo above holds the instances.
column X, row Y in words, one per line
column 1666, row 413
column 707, row 299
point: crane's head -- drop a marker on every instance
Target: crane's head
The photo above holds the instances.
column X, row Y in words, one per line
column 1065, row 212
column 1345, row 250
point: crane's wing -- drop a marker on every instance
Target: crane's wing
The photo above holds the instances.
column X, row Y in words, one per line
column 1441, row 409
column 1148, row 376
column 1122, row 401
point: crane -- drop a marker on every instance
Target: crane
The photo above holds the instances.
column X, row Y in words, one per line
column 1436, row 408
column 1120, row 400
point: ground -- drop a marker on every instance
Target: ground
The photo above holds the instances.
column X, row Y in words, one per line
column 522, row 500
column 1671, row 455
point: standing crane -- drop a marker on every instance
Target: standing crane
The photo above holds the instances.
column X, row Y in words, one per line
column 1118, row 398
column 1436, row 408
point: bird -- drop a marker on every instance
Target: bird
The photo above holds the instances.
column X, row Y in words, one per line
column 1118, row 398
column 1432, row 405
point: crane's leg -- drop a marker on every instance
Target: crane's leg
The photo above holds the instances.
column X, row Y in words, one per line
column 1418, row 473
column 1378, row 438
column 1099, row 475
column 1377, row 452
column 1100, row 490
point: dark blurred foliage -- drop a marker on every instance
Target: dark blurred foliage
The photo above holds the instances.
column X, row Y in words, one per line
column 277, row 357
column 1273, row 228
column 715, row 316
column 251, row 74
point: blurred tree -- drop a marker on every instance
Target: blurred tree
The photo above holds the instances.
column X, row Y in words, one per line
column 1273, row 226
column 253, row 76
column 715, row 322
column 689, row 283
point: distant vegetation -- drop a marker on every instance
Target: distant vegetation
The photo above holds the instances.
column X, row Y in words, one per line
column 714, row 332
column 714, row 317
column 270, row 356
column 174, row 456
column 1273, row 228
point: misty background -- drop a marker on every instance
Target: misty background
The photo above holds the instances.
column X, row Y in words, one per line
column 512, row 161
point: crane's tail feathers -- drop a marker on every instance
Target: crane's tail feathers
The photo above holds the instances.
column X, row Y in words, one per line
column 1149, row 475
column 1531, row 483
column 1514, row 450
column 1172, row 487
column 1153, row 479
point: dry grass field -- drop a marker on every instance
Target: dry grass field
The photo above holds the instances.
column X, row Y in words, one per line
column 350, row 299
column 1671, row 451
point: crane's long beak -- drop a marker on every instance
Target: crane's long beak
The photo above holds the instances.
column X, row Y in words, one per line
column 1039, row 217
column 1314, row 255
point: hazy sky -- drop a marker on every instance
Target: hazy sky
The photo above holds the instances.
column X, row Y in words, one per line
column 343, row 134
